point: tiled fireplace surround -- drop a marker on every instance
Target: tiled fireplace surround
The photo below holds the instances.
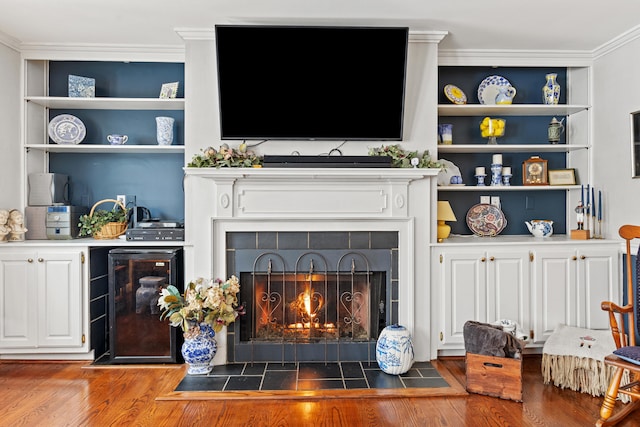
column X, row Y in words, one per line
column 394, row 202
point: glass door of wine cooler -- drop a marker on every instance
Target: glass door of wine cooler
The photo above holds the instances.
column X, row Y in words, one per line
column 136, row 277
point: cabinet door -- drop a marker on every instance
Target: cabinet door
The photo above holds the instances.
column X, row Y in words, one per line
column 463, row 277
column 554, row 291
column 60, row 298
column 598, row 281
column 508, row 278
column 19, row 299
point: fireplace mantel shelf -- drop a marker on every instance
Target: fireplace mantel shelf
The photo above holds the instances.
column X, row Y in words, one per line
column 407, row 174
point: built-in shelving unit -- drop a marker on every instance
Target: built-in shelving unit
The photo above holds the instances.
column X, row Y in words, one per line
column 526, row 125
column 126, row 102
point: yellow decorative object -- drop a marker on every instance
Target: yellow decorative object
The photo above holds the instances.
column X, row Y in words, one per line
column 492, row 128
column 445, row 213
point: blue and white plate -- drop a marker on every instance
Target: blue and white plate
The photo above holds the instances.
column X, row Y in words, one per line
column 67, row 129
column 490, row 88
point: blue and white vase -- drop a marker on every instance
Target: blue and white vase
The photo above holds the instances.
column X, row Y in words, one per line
column 394, row 350
column 199, row 351
column 551, row 90
column 164, row 130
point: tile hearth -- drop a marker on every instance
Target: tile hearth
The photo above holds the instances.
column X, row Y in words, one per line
column 310, row 376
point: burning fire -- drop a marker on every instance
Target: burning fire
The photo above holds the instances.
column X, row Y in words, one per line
column 303, row 306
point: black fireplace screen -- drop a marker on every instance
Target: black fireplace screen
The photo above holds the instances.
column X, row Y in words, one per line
column 312, row 306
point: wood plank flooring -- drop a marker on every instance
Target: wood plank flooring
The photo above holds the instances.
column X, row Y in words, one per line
column 68, row 394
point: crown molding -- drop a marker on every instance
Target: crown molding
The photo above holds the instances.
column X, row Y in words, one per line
column 524, row 58
column 427, row 36
column 617, row 42
column 196, row 33
column 9, row 41
column 107, row 52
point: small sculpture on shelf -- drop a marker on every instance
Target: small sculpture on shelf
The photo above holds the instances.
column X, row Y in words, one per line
column 580, row 216
column 16, row 224
column 580, row 233
column 5, row 229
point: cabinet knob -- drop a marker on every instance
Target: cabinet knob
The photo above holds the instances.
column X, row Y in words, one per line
column 573, row 258
column 483, row 259
column 40, row 260
column 492, row 258
column 30, row 260
column 583, row 257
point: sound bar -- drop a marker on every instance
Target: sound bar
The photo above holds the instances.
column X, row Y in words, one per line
column 275, row 161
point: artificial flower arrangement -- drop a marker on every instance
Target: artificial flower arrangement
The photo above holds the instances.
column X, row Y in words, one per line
column 402, row 159
column 204, row 301
column 226, row 157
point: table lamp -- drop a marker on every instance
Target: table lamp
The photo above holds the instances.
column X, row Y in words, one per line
column 445, row 213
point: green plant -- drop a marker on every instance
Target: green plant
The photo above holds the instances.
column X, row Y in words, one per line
column 402, row 159
column 226, row 157
column 93, row 223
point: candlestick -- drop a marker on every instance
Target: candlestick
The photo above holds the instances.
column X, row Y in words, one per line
column 497, row 159
column 588, row 202
column 506, row 170
column 480, row 170
column 599, row 205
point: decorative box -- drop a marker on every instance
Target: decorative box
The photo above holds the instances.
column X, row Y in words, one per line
column 81, row 87
column 494, row 376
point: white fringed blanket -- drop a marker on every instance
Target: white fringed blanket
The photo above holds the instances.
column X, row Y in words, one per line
column 574, row 358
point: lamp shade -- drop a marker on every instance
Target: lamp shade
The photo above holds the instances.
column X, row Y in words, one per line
column 445, row 213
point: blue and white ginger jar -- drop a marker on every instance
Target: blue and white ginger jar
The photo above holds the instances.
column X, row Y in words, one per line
column 394, row 350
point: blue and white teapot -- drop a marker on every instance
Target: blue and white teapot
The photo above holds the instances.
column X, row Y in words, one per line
column 540, row 227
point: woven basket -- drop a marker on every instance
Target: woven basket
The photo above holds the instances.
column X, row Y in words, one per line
column 110, row 230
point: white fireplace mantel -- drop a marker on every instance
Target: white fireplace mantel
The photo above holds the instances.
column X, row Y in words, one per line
column 318, row 199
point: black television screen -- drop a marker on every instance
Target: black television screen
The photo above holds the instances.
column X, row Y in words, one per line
column 310, row 82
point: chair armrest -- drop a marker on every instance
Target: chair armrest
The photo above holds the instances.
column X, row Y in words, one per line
column 615, row 308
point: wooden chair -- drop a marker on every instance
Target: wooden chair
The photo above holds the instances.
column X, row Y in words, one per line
column 621, row 318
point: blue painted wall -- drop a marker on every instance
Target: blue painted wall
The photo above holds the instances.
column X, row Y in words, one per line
column 517, row 206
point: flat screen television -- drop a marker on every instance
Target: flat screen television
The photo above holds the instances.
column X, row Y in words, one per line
column 311, row 82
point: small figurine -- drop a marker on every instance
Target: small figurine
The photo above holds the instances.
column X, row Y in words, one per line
column 580, row 216
column 16, row 224
column 5, row 229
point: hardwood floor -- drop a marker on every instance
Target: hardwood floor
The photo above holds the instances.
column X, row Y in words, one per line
column 67, row 394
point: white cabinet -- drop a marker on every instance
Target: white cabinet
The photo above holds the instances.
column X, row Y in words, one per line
column 42, row 308
column 569, row 284
column 482, row 285
column 538, row 285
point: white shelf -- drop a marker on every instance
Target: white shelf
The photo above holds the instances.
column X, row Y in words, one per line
column 107, row 103
column 509, row 148
column 509, row 110
column 486, row 188
column 104, row 148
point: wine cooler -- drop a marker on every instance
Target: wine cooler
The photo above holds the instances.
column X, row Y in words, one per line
column 136, row 277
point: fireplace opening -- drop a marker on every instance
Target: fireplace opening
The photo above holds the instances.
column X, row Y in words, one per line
column 313, row 306
column 312, row 296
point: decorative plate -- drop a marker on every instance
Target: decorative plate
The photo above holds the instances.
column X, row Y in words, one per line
column 490, row 88
column 67, row 129
column 455, row 94
column 486, row 220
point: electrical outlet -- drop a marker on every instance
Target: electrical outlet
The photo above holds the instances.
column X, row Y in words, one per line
column 122, row 199
column 495, row 201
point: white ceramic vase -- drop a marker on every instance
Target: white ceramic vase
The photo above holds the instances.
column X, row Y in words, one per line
column 164, row 130
column 394, row 350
